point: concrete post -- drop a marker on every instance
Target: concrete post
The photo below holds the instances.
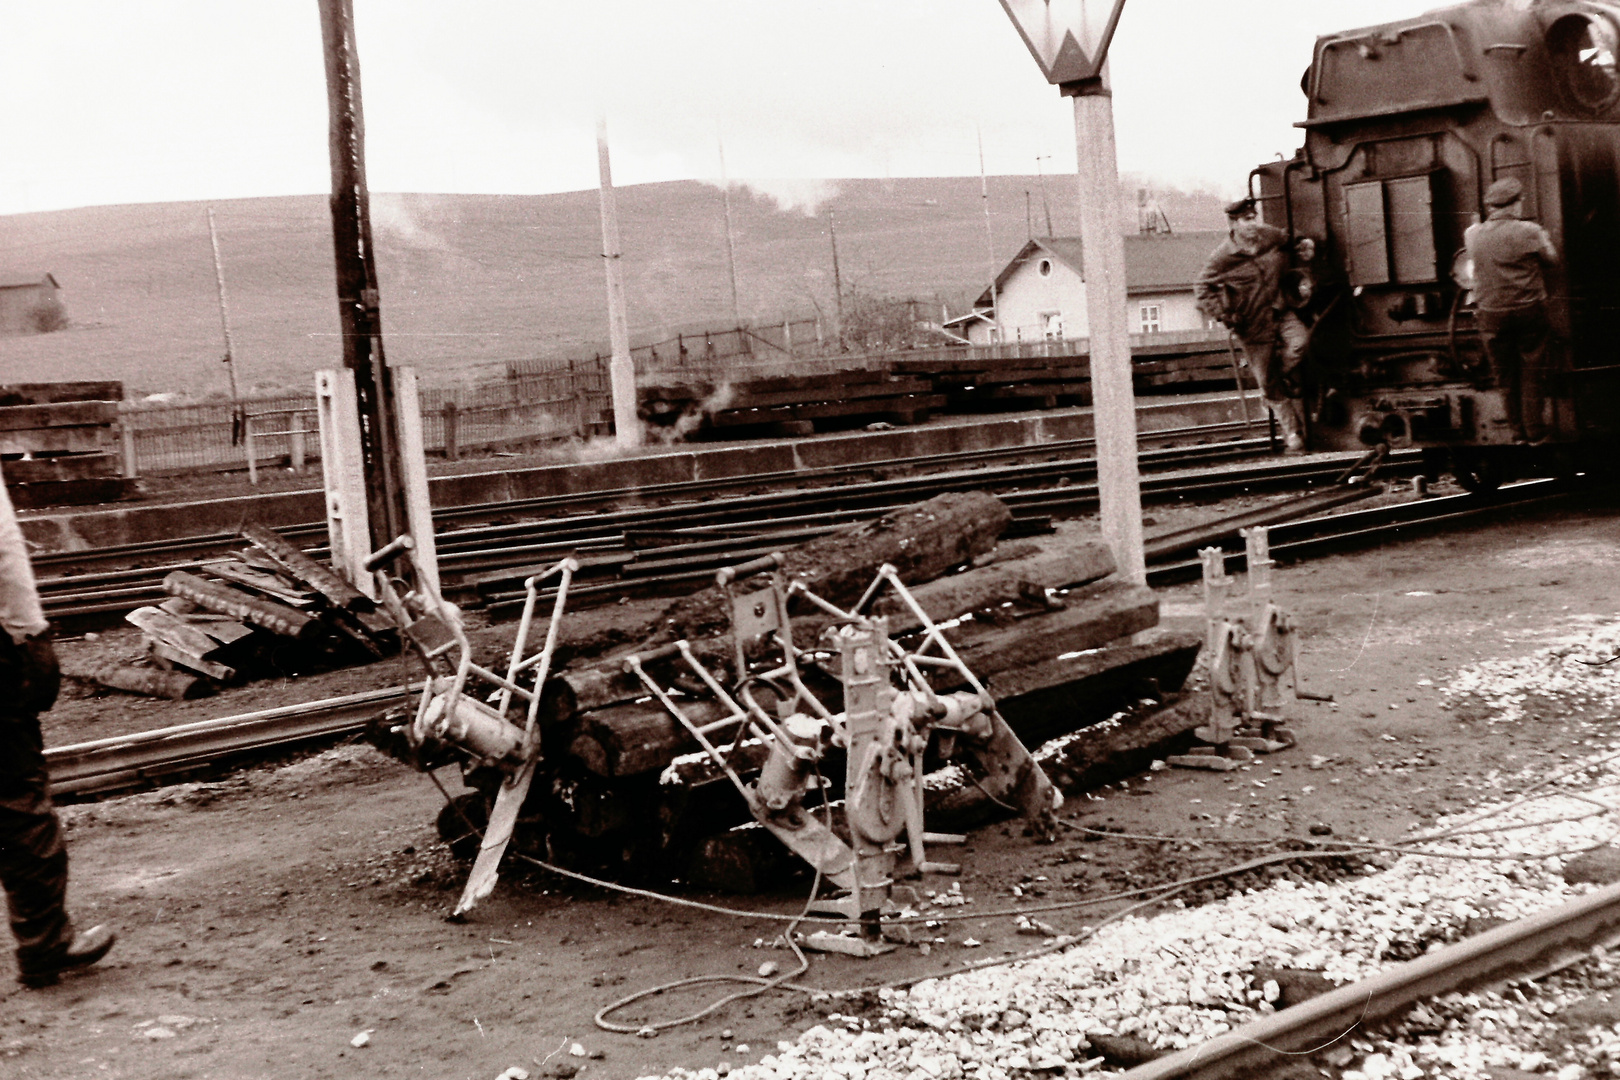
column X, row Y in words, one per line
column 621, row 369
column 452, row 431
column 1113, row 402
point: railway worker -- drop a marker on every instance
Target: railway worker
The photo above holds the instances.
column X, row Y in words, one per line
column 1511, row 257
column 1241, row 287
column 33, row 861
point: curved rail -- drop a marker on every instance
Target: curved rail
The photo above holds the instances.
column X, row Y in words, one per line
column 1524, row 948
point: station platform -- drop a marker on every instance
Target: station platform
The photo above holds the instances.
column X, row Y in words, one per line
column 594, row 470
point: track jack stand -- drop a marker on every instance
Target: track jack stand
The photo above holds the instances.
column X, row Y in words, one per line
column 450, row 712
column 1253, row 652
column 886, row 715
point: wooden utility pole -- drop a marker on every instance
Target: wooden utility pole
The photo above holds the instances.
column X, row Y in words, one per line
column 359, row 307
column 1046, row 203
column 990, row 247
column 621, row 369
column 731, row 245
column 224, row 319
column 1070, row 43
column 838, row 279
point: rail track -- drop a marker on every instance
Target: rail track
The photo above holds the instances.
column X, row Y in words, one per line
column 146, row 758
column 115, row 557
column 649, row 548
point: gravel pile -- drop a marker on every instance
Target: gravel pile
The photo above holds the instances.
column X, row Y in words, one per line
column 1145, row 984
column 1575, row 672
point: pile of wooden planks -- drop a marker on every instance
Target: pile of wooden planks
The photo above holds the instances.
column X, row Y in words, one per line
column 269, row 610
column 60, row 443
column 1056, row 637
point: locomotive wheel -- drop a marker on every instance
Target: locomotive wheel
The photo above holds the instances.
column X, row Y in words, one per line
column 1478, row 472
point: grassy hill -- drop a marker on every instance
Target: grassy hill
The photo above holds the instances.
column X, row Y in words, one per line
column 471, row 281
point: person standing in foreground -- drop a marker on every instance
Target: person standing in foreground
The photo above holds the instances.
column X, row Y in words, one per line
column 1241, row 288
column 33, row 861
column 1510, row 257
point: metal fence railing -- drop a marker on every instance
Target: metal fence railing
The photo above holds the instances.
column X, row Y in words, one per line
column 162, row 439
column 541, row 400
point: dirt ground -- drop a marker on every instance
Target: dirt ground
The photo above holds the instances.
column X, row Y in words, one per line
column 270, row 917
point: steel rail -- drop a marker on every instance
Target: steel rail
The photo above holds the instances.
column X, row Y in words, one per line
column 1524, row 948
column 130, row 761
column 1327, row 533
column 218, row 543
column 124, row 761
column 79, row 596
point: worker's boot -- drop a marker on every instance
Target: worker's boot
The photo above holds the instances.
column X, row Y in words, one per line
column 1289, row 424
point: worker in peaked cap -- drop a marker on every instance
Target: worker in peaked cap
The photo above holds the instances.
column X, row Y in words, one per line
column 1241, row 287
column 1511, row 257
column 33, row 861
column 1505, row 192
column 1241, row 209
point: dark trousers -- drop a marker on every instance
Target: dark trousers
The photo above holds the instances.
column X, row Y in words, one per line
column 33, row 861
column 1519, row 341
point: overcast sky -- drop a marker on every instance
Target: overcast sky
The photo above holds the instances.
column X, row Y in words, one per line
column 107, row 101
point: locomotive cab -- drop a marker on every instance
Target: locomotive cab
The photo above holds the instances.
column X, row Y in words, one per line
column 1407, row 125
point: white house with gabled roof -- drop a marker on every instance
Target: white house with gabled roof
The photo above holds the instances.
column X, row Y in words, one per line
column 1041, row 294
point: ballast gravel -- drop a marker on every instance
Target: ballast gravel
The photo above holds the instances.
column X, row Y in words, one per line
column 1184, row 975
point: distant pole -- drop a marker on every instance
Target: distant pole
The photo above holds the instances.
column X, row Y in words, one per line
column 989, row 245
column 1029, row 222
column 1045, row 202
column 621, row 369
column 359, row 305
column 731, row 245
column 224, row 309
column 838, row 280
column 239, row 424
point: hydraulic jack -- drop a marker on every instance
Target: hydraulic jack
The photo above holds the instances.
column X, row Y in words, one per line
column 449, row 713
column 1253, row 649
column 888, row 717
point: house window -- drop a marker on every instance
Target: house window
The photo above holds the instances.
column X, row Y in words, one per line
column 1052, row 325
column 1045, row 267
column 1150, row 321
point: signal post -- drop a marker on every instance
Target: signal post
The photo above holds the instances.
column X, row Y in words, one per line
column 1069, row 40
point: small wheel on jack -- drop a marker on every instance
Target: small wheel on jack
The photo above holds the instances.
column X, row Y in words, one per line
column 1477, row 470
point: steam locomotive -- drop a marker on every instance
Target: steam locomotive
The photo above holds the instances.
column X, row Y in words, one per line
column 1407, row 124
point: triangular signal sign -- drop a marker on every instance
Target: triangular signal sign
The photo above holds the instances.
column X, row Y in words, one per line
column 1068, row 38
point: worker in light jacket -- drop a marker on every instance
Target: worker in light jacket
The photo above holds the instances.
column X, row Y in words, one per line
column 33, row 861
column 1241, row 288
column 1511, row 257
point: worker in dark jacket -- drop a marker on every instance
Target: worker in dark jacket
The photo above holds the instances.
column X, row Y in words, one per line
column 1241, row 287
column 33, row 862
column 1511, row 257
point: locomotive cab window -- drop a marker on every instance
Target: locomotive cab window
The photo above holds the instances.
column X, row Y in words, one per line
column 1389, row 227
column 1583, row 49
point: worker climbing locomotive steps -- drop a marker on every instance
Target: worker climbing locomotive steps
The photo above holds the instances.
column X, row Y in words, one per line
column 1241, row 287
column 1510, row 257
column 33, row 861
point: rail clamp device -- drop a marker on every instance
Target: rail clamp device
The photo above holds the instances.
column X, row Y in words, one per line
column 449, row 713
column 1253, row 651
column 873, row 704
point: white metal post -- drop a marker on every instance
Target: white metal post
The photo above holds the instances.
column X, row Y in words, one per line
column 621, row 369
column 347, row 520
column 414, row 478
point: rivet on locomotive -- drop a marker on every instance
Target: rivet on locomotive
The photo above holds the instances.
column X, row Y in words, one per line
column 1407, row 125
